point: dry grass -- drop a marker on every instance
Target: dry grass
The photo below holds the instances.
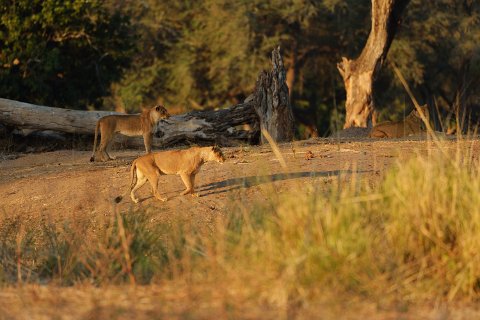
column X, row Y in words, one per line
column 412, row 238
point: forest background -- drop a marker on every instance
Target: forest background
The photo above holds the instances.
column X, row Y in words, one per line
column 189, row 55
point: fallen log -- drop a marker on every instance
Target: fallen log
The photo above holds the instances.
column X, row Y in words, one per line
column 30, row 116
column 217, row 126
column 207, row 126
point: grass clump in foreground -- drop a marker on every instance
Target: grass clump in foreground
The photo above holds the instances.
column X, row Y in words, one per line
column 415, row 237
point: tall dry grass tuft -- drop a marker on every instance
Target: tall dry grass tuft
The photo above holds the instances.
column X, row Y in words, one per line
column 415, row 237
column 100, row 250
column 431, row 220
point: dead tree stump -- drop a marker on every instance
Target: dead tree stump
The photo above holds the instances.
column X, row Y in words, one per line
column 272, row 102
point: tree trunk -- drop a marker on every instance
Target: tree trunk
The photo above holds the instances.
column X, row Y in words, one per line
column 358, row 75
column 209, row 126
column 272, row 102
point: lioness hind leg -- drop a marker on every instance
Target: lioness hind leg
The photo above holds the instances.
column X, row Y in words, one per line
column 153, row 179
column 141, row 179
column 106, row 138
column 101, row 154
column 108, row 148
column 378, row 134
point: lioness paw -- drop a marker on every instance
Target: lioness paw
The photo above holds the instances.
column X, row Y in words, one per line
column 135, row 200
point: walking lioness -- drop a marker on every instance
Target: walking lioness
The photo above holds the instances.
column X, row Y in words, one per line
column 412, row 124
column 185, row 163
column 142, row 124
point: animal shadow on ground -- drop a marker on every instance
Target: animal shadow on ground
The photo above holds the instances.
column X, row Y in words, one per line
column 247, row 182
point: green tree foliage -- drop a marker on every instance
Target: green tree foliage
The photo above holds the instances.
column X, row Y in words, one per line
column 61, row 53
column 438, row 51
column 207, row 54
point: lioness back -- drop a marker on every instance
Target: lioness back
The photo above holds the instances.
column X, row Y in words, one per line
column 394, row 130
column 129, row 125
column 178, row 161
column 412, row 124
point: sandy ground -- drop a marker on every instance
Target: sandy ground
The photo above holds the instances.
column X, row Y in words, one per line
column 62, row 183
column 65, row 182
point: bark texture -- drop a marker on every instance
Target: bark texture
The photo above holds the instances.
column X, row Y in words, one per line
column 359, row 74
column 272, row 101
column 209, row 126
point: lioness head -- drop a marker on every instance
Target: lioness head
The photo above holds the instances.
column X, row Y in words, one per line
column 216, row 155
column 424, row 109
column 158, row 112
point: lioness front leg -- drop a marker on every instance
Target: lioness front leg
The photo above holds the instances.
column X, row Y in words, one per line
column 188, row 180
column 192, row 181
column 147, row 141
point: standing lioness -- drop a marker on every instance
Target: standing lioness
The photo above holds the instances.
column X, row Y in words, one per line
column 412, row 124
column 142, row 124
column 186, row 163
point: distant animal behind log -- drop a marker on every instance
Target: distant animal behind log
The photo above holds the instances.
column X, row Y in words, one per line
column 412, row 124
column 143, row 124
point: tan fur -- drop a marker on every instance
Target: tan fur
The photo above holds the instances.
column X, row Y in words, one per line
column 412, row 124
column 185, row 163
column 142, row 124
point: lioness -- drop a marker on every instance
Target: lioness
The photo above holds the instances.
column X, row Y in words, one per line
column 186, row 163
column 412, row 124
column 129, row 125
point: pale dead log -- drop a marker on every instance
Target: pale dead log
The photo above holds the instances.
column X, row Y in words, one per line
column 30, row 116
column 208, row 126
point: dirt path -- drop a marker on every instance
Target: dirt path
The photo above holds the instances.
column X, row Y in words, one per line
column 65, row 182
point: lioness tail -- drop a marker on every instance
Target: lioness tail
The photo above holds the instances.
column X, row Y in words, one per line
column 133, row 174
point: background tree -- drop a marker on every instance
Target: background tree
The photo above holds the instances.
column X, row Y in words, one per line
column 61, row 53
column 438, row 51
column 125, row 54
column 359, row 74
